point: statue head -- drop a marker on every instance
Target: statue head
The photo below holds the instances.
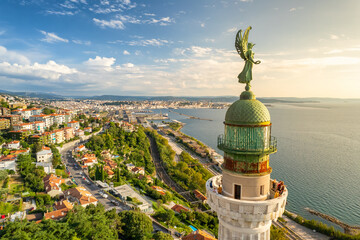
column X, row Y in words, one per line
column 250, row 45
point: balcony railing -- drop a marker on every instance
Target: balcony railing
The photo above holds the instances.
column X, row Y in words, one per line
column 249, row 147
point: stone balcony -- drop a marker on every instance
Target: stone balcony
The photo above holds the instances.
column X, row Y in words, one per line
column 249, row 211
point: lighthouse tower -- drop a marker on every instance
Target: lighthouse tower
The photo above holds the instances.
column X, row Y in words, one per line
column 245, row 198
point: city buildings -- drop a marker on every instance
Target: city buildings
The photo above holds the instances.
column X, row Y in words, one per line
column 74, row 124
column 45, row 155
column 199, row 235
column 81, row 196
column 13, row 145
column 52, row 184
column 4, row 123
column 69, row 133
column 8, row 162
column 126, row 192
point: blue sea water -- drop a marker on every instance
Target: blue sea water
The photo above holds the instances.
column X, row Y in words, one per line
column 318, row 154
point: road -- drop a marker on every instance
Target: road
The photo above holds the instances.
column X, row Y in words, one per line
column 78, row 175
column 81, row 179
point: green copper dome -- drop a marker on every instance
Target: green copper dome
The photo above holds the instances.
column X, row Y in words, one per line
column 247, row 111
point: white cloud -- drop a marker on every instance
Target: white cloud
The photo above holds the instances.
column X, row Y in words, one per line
column 230, row 30
column 12, row 57
column 101, row 61
column 63, row 13
column 106, row 6
column 116, row 24
column 292, row 9
column 334, row 51
column 2, row 32
column 199, row 71
column 78, row 1
column 194, row 51
column 128, row 65
column 52, row 38
column 334, row 37
column 81, row 42
column 129, row 19
column 161, row 21
column 49, row 71
column 148, row 42
column 150, row 14
column 126, row 52
column 202, row 24
column 67, row 5
column 104, row 2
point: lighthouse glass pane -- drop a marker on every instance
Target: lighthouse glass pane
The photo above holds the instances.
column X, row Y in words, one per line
column 247, row 138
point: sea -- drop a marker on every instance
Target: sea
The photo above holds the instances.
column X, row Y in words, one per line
column 318, row 154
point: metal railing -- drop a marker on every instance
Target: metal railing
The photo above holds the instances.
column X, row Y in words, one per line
column 250, row 146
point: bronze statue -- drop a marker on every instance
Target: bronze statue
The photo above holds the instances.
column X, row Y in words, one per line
column 245, row 51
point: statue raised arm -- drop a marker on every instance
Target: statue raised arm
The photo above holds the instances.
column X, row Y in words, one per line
column 245, row 51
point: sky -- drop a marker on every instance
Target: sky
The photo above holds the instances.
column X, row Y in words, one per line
column 179, row 48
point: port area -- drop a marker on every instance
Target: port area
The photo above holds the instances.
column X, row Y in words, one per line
column 191, row 117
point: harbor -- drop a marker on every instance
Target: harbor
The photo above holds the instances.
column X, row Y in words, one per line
column 191, row 117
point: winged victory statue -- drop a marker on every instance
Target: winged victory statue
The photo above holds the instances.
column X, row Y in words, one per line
column 244, row 49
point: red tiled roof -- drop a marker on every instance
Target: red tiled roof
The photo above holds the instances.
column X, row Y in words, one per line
column 199, row 235
column 58, row 214
column 199, row 195
column 63, row 204
column 179, row 208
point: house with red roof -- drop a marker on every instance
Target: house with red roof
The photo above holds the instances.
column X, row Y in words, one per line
column 8, row 162
column 81, row 196
column 200, row 196
column 199, row 235
column 178, row 208
column 52, row 184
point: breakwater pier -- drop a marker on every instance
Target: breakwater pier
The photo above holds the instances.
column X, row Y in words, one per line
column 352, row 230
column 191, row 117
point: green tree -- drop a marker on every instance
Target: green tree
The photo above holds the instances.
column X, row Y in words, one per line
column 277, row 234
column 3, row 175
column 162, row 236
column 136, row 225
column 48, row 111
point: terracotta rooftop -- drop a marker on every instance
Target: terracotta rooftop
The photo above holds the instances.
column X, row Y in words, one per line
column 179, row 208
column 199, row 235
column 199, row 195
column 58, row 214
column 83, row 196
column 63, row 204
column 8, row 158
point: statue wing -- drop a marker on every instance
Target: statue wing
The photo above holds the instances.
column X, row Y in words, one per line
column 238, row 44
column 241, row 43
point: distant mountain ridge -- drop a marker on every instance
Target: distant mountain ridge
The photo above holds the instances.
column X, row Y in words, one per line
column 52, row 96
column 34, row 95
